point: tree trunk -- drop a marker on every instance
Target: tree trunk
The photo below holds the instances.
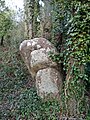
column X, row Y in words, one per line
column 46, row 23
column 2, row 40
column 29, row 13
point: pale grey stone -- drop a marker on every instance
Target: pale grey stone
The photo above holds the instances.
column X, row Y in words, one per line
column 35, row 53
column 48, row 81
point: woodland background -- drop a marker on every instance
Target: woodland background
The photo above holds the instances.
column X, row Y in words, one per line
column 66, row 24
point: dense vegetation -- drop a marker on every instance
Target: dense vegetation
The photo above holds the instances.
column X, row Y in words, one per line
column 74, row 25
column 69, row 30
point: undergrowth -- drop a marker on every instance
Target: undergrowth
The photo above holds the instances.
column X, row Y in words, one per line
column 18, row 97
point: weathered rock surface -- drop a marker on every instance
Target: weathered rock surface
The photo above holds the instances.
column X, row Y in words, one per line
column 48, row 81
column 35, row 53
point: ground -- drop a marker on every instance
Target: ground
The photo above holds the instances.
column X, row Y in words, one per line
column 18, row 97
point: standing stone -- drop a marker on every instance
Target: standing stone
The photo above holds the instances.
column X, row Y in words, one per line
column 48, row 81
column 35, row 53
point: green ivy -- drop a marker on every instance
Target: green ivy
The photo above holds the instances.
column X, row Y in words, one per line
column 74, row 24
